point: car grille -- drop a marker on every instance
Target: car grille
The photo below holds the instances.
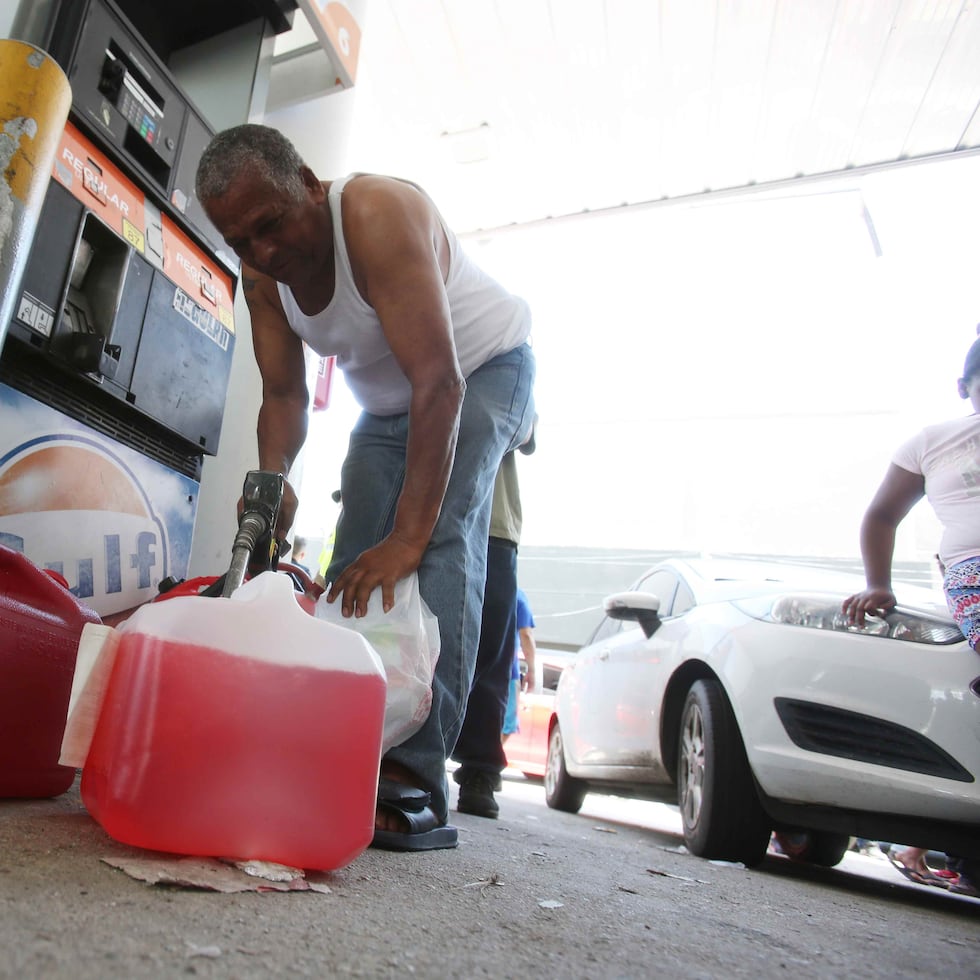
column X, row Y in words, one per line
column 849, row 735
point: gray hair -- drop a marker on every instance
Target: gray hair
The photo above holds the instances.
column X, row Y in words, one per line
column 249, row 148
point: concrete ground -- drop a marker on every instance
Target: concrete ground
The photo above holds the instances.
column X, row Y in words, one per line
column 534, row 894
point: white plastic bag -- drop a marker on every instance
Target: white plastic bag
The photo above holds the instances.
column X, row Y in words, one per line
column 407, row 641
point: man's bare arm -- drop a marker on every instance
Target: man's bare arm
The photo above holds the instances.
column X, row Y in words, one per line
column 528, row 649
column 400, row 256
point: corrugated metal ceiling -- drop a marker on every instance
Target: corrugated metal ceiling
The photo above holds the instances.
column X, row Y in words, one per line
column 519, row 109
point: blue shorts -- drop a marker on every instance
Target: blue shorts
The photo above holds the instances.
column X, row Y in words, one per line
column 962, row 587
column 511, row 724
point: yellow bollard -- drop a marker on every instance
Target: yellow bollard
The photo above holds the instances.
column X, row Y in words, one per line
column 34, row 101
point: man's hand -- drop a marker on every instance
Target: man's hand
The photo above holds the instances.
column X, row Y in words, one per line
column 385, row 564
column 287, row 510
column 870, row 602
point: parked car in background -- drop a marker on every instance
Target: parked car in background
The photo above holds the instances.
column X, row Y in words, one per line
column 737, row 690
column 527, row 750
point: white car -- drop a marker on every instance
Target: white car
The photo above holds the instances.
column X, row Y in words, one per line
column 737, row 690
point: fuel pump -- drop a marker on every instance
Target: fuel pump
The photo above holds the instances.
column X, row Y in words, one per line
column 120, row 340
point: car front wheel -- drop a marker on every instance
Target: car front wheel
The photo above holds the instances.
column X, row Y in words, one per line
column 561, row 791
column 720, row 809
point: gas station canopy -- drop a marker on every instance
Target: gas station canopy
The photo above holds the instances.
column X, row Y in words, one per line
column 533, row 108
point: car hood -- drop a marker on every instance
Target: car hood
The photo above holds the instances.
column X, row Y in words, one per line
column 721, row 581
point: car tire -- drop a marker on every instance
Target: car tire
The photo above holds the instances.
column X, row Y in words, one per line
column 720, row 809
column 814, row 846
column 561, row 791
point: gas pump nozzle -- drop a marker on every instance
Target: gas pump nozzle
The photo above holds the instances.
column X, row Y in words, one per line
column 255, row 548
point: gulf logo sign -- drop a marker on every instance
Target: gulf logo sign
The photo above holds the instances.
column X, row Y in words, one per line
column 69, row 503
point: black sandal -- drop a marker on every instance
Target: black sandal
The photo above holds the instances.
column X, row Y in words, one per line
column 425, row 832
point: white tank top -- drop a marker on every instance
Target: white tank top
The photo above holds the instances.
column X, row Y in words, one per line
column 486, row 321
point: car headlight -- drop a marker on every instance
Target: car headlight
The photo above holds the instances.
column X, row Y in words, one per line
column 822, row 612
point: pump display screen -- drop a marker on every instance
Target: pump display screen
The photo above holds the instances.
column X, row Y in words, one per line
column 138, row 106
column 142, row 114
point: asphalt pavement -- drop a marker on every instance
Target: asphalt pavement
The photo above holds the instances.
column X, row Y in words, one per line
column 609, row 892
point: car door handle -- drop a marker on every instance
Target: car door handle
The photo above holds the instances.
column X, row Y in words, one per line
column 603, row 654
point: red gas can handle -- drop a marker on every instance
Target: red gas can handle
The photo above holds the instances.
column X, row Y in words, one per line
column 190, row 586
column 307, row 592
column 58, row 577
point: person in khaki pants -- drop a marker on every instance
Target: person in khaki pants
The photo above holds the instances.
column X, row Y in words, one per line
column 479, row 748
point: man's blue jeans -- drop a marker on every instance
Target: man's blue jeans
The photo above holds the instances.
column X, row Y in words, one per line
column 496, row 418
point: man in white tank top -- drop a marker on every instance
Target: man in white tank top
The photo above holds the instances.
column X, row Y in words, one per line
column 435, row 351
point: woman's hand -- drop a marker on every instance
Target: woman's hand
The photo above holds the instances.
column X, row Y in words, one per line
column 870, row 602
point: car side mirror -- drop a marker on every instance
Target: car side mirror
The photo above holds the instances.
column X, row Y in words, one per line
column 639, row 607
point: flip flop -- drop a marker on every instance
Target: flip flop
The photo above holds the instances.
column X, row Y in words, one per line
column 425, row 831
column 916, row 876
column 963, row 886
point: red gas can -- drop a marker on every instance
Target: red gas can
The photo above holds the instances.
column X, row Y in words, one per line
column 40, row 623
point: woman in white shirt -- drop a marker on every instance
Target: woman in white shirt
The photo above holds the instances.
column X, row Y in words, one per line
column 942, row 462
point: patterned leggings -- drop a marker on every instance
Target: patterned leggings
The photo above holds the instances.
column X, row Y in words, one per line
column 962, row 587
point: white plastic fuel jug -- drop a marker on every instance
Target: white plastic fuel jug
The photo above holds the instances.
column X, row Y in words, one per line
column 241, row 728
